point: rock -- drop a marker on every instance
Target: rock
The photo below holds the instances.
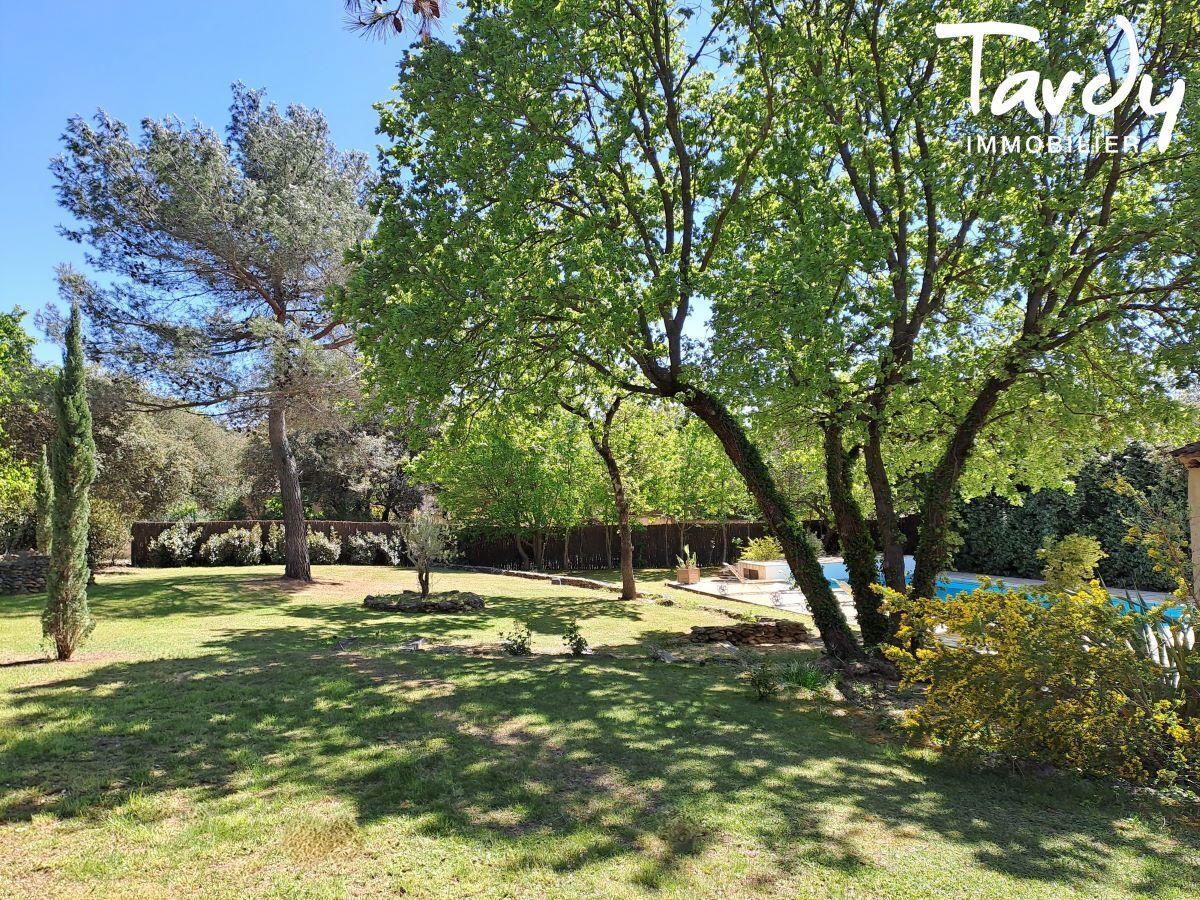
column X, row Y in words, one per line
column 23, row 573
column 763, row 631
column 407, row 602
column 666, row 656
column 418, row 643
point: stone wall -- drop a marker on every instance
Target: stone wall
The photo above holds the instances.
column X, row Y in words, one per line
column 23, row 573
column 763, row 631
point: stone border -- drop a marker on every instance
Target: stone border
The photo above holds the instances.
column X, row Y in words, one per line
column 569, row 580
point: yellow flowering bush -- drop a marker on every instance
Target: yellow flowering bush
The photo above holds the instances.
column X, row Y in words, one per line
column 1060, row 679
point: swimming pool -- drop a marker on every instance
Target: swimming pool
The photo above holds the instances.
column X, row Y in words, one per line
column 948, row 587
column 836, row 572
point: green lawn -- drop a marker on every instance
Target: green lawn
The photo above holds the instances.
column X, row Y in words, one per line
column 224, row 735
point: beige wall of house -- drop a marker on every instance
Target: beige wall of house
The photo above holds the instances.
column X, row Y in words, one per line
column 1190, row 457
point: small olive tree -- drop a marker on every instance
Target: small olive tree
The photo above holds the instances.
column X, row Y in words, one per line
column 428, row 539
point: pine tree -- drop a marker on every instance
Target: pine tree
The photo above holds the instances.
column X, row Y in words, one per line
column 67, row 620
column 44, row 498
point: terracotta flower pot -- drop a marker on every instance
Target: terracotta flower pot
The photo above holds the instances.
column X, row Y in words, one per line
column 689, row 575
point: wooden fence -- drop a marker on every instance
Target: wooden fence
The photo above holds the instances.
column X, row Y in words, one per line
column 589, row 547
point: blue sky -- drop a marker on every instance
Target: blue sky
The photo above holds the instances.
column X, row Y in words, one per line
column 136, row 58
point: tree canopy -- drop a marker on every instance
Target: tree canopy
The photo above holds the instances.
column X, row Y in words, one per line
column 222, row 252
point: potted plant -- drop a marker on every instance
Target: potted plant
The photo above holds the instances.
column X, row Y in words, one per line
column 686, row 570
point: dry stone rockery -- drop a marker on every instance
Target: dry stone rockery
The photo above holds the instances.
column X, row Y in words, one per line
column 409, row 602
column 762, row 631
column 23, row 573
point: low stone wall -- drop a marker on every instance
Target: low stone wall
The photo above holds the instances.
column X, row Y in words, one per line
column 569, row 580
column 764, row 631
column 23, row 573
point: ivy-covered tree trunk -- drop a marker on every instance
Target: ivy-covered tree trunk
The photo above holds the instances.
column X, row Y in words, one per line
column 806, row 568
column 44, row 504
column 933, row 546
column 295, row 528
column 890, row 534
column 858, row 547
column 72, row 459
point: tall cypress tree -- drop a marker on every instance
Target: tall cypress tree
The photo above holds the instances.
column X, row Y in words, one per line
column 44, row 498
column 72, row 458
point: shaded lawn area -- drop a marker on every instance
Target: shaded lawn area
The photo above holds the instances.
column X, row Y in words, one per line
column 225, row 735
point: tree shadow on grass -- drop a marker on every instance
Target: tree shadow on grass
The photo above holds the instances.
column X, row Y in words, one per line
column 548, row 614
column 187, row 591
column 565, row 761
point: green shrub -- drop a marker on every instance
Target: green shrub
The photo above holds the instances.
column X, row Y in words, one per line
column 175, row 546
column 235, row 547
column 1002, row 538
column 1070, row 563
column 805, row 675
column 365, row 549
column 188, row 511
column 763, row 549
column 518, row 641
column 108, row 533
column 1057, row 680
column 574, row 639
column 686, row 559
column 764, row 677
column 323, row 549
column 274, row 548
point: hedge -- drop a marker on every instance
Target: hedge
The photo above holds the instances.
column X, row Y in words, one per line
column 1002, row 538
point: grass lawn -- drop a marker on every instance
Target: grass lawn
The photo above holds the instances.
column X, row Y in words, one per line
column 225, row 735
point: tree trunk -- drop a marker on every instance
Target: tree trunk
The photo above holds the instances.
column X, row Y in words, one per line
column 566, row 557
column 621, row 501
column 890, row 534
column 423, row 580
column 521, row 551
column 858, row 548
column 806, row 568
column 295, row 532
column 933, row 538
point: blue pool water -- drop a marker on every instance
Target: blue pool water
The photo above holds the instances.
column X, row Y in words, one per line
column 949, row 587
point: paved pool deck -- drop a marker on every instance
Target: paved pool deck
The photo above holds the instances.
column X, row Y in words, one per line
column 782, row 596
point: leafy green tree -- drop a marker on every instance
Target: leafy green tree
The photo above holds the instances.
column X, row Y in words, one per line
column 44, row 498
column 520, row 473
column 151, row 463
column 926, row 304
column 557, row 193
column 16, row 476
column 223, row 251
column 67, row 620
column 699, row 484
column 599, row 423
